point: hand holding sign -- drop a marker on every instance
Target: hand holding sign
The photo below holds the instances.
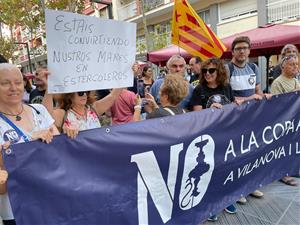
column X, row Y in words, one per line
column 3, row 176
column 88, row 53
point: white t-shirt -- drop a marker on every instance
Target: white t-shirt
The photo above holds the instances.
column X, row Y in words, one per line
column 42, row 121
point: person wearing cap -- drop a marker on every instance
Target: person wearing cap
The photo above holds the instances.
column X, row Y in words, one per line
column 286, row 83
column 287, row 50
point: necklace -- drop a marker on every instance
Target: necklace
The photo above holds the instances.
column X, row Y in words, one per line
column 18, row 117
column 79, row 114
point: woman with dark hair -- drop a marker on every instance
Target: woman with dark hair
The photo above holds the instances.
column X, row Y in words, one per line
column 214, row 89
column 2, row 59
column 147, row 77
column 27, row 89
column 78, row 111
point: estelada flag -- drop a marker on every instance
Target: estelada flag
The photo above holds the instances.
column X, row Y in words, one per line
column 192, row 34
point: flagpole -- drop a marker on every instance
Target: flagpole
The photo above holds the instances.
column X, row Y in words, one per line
column 179, row 50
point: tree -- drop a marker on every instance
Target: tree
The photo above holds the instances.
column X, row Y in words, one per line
column 160, row 37
column 69, row 5
column 7, row 48
column 10, row 13
column 30, row 14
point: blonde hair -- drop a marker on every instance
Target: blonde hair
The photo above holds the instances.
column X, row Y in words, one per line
column 286, row 47
column 10, row 67
column 175, row 87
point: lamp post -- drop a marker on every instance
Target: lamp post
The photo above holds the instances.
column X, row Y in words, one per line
column 109, row 6
column 28, row 53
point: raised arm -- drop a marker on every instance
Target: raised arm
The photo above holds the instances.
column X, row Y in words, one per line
column 57, row 114
column 137, row 109
column 48, row 98
column 105, row 103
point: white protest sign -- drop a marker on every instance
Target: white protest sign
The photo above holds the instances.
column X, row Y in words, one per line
column 88, row 53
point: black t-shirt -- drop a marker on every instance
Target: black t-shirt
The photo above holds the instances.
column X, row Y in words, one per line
column 36, row 96
column 161, row 112
column 134, row 87
column 194, row 77
column 205, row 96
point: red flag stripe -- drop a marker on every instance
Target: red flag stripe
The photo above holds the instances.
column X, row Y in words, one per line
column 184, row 2
column 196, row 34
column 196, row 47
column 216, row 41
column 192, row 19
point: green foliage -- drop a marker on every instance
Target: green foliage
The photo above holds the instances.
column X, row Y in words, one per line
column 7, row 48
column 160, row 38
column 141, row 47
column 30, row 15
column 69, row 5
column 10, row 13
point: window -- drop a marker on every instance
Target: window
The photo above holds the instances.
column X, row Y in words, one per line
column 283, row 10
column 205, row 16
column 236, row 8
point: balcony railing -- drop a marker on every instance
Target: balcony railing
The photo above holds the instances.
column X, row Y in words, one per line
column 127, row 11
column 152, row 4
column 283, row 10
column 130, row 10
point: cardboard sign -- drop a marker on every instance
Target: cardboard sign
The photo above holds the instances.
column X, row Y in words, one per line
column 88, row 53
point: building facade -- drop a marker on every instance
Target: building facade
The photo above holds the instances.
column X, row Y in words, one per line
column 225, row 17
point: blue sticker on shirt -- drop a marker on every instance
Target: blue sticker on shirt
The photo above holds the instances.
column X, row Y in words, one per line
column 12, row 136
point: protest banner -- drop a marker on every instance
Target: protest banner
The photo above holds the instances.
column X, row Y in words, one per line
column 88, row 53
column 172, row 170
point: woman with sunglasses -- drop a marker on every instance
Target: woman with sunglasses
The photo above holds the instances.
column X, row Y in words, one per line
column 78, row 111
column 213, row 89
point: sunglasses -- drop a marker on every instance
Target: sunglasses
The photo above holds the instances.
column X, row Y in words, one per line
column 81, row 93
column 210, row 70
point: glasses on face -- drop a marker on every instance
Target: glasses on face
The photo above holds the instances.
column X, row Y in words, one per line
column 239, row 49
column 81, row 93
column 210, row 70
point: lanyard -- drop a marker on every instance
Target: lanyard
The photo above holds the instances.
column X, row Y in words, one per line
column 10, row 123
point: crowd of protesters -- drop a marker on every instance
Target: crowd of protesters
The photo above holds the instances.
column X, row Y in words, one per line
column 210, row 84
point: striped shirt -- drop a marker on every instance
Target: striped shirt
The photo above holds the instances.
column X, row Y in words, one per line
column 244, row 80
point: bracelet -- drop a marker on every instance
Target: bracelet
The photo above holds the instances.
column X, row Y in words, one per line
column 137, row 107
